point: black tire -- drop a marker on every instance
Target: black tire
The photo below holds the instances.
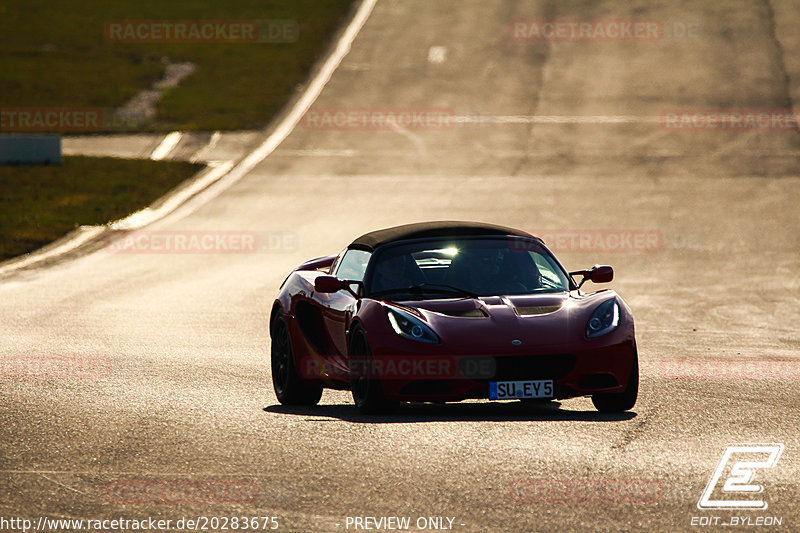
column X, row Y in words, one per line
column 366, row 388
column 622, row 401
column 289, row 388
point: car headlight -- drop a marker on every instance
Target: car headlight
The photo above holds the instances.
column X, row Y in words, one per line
column 604, row 319
column 410, row 327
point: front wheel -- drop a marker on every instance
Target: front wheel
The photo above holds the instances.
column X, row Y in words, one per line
column 289, row 388
column 365, row 385
column 621, row 401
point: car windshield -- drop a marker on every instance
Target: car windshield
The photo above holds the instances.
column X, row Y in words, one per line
column 465, row 267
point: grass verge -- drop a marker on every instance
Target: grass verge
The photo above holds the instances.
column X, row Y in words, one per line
column 56, row 53
column 39, row 204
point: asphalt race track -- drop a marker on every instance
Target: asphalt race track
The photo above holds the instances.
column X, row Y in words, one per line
column 166, row 409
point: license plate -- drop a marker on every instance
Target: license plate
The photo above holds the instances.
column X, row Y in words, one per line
column 515, row 390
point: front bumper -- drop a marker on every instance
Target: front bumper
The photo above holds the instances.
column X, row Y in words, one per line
column 604, row 369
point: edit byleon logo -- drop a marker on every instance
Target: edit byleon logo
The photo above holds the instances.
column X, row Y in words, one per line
column 738, row 489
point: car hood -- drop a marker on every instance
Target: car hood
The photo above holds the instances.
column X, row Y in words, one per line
column 544, row 323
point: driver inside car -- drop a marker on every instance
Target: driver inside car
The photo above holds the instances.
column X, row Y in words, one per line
column 397, row 272
column 492, row 272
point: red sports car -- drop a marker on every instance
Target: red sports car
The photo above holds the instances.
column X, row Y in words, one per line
column 445, row 311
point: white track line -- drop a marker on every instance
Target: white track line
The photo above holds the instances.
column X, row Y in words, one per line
column 212, row 143
column 149, row 215
column 318, row 152
column 556, row 119
column 169, row 143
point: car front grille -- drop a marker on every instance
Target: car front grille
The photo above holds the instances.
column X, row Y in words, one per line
column 517, row 368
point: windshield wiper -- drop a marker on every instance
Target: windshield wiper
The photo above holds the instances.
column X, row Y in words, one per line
column 419, row 288
column 447, row 288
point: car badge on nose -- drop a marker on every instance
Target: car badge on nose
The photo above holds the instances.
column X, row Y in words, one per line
column 516, row 342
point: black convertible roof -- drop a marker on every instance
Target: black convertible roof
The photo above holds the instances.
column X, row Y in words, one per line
column 446, row 228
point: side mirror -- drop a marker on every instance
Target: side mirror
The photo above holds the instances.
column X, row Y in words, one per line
column 598, row 274
column 327, row 284
column 601, row 274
